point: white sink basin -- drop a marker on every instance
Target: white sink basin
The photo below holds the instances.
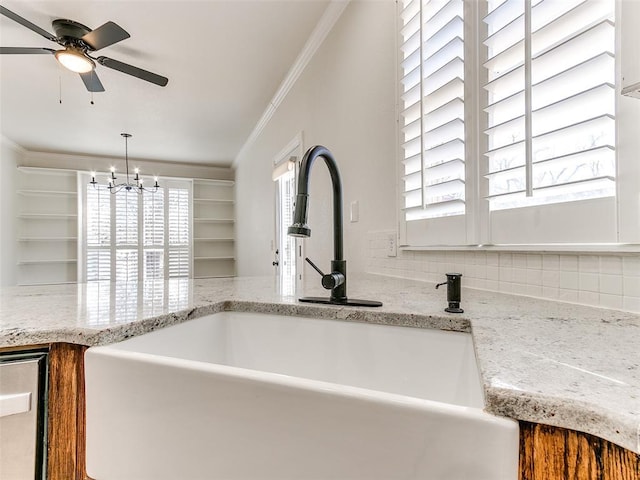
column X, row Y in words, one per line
column 255, row 396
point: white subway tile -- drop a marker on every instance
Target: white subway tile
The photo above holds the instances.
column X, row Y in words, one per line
column 631, row 304
column 611, row 284
column 588, row 282
column 569, row 263
column 568, row 295
column 493, row 258
column 519, row 275
column 506, row 274
column 631, row 286
column 551, row 292
column 534, row 290
column 506, row 259
column 534, row 261
column 610, row 265
column 550, row 262
column 493, row 273
column 588, row 264
column 534, row 277
column 611, row 301
column 569, row 280
column 519, row 260
column 550, row 278
column 631, row 266
column 588, row 298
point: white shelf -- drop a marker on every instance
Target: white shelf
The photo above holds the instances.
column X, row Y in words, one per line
column 48, row 239
column 213, row 200
column 43, row 262
column 48, row 216
column 47, row 229
column 213, row 276
column 47, row 171
column 47, row 193
column 214, row 258
column 202, row 239
column 23, row 284
column 219, row 183
column 214, row 220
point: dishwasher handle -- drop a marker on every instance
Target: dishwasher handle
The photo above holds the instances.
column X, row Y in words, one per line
column 14, row 403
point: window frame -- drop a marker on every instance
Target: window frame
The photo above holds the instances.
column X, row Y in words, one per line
column 480, row 227
column 167, row 184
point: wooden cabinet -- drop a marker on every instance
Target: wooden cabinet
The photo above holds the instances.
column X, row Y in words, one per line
column 66, row 442
column 552, row 453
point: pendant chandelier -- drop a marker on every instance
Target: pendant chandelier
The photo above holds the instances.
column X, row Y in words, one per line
column 130, row 185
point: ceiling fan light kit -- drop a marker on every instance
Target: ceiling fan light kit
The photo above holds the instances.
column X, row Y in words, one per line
column 75, row 60
column 78, row 41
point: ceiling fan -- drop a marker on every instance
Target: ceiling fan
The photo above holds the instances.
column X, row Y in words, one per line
column 78, row 42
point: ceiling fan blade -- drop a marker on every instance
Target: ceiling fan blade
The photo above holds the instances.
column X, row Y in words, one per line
column 134, row 71
column 105, row 35
column 26, row 23
column 23, row 50
column 91, row 81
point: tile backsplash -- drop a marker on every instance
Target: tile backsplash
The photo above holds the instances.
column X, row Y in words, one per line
column 609, row 281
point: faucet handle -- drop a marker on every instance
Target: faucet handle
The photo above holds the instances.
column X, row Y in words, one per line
column 329, row 280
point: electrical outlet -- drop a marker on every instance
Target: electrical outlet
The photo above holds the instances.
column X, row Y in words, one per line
column 392, row 245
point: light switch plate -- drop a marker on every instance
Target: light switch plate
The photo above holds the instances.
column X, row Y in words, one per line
column 355, row 211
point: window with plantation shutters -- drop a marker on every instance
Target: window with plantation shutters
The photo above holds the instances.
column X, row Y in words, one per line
column 132, row 237
column 551, row 101
column 433, row 116
column 511, row 123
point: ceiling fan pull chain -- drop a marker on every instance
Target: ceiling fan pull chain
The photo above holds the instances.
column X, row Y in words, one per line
column 59, row 86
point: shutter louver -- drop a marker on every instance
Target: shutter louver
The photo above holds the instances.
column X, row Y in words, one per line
column 98, row 262
column 178, row 225
column 569, row 153
column 432, row 117
column 153, row 219
column 126, row 218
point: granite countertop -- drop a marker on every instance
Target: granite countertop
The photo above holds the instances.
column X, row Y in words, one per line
column 549, row 362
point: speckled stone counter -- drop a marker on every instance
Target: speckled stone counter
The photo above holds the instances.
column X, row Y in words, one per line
column 548, row 362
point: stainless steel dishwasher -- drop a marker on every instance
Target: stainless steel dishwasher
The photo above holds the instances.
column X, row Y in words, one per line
column 23, row 383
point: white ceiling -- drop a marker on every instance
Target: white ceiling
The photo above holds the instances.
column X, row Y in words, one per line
column 224, row 60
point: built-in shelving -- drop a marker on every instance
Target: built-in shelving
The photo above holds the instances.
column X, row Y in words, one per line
column 47, row 232
column 213, row 227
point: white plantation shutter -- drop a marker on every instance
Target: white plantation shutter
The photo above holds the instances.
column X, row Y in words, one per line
column 98, row 263
column 126, row 218
column 132, row 237
column 551, row 101
column 153, row 218
column 179, row 232
column 432, row 108
column 126, row 265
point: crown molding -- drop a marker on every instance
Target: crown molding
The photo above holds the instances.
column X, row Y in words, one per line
column 11, row 144
column 325, row 24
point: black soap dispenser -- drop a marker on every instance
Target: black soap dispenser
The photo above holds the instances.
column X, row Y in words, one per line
column 453, row 283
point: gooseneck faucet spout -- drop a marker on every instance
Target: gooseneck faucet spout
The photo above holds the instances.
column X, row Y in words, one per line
column 336, row 281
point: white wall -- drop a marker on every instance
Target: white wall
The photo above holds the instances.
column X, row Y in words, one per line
column 102, row 164
column 10, row 157
column 344, row 100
